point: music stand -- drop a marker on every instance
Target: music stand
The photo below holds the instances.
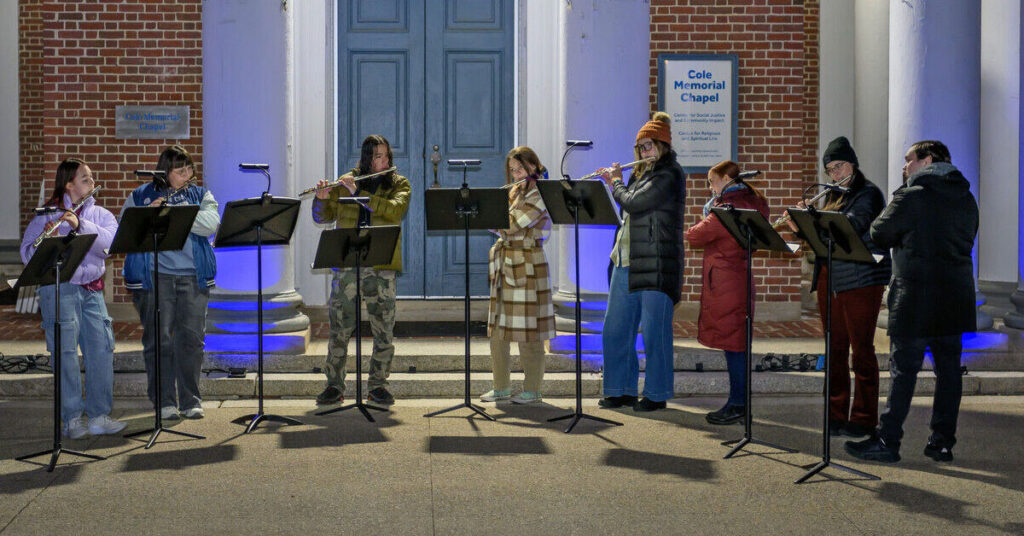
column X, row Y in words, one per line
column 751, row 231
column 355, row 247
column 466, row 208
column 581, row 202
column 54, row 261
column 151, row 230
column 244, row 223
column 831, row 236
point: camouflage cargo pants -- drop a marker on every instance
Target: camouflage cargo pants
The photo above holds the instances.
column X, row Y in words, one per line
column 378, row 290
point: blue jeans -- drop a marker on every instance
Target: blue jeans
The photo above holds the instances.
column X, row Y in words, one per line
column 736, row 362
column 83, row 323
column 182, row 330
column 906, row 355
column 627, row 311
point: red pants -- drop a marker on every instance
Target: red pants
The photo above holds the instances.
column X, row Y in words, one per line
column 854, row 314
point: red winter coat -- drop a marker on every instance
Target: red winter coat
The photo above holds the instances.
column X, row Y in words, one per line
column 723, row 311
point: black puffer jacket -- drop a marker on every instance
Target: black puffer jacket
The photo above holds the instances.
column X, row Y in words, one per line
column 655, row 206
column 930, row 224
column 865, row 202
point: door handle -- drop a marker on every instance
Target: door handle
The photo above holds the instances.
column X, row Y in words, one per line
column 435, row 158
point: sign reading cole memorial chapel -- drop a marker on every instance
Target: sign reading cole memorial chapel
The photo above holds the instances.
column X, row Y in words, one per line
column 699, row 93
column 151, row 122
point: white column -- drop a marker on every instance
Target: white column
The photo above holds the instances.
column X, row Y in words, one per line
column 607, row 71
column 935, row 73
column 1016, row 319
column 871, row 93
column 9, row 141
column 314, row 118
column 541, row 91
column 837, row 74
column 247, row 117
column 1000, row 122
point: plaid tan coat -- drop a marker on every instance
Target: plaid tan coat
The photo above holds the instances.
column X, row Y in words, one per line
column 520, row 307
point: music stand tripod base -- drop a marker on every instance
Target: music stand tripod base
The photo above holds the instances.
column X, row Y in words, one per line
column 565, row 201
column 59, row 256
column 243, row 224
column 352, row 248
column 151, row 230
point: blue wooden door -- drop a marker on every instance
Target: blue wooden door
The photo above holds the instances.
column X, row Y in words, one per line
column 424, row 73
column 469, row 114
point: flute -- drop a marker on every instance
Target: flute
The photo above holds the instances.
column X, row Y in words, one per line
column 336, row 182
column 786, row 217
column 48, row 233
column 623, row 166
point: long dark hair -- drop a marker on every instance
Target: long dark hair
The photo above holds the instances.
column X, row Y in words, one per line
column 173, row 157
column 65, row 173
column 836, row 200
column 366, row 157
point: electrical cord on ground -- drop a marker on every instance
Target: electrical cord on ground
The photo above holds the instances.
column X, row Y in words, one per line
column 26, row 363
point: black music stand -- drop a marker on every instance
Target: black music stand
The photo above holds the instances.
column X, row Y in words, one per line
column 466, row 208
column 56, row 260
column 244, row 223
column 151, row 230
column 356, row 247
column 581, row 202
column 831, row 236
column 751, row 231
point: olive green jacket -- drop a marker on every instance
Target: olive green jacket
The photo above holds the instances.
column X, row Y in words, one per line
column 389, row 206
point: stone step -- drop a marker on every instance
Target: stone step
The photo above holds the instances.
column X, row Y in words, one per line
column 983, row 352
column 447, row 384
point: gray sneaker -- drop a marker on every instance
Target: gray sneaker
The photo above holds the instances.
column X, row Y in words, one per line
column 76, row 428
column 104, row 425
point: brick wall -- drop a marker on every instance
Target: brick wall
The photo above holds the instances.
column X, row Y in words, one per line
column 777, row 45
column 81, row 58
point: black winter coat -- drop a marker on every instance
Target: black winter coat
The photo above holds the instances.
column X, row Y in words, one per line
column 864, row 204
column 930, row 224
column 655, row 206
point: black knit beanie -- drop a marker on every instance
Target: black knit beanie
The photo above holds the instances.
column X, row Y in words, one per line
column 839, row 149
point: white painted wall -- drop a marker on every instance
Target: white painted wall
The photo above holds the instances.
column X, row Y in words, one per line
column 1000, row 139
column 871, row 89
column 837, row 75
column 10, row 176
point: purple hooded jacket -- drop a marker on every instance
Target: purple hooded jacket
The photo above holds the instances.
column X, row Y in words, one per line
column 92, row 220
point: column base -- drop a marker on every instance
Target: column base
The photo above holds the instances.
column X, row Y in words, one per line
column 231, row 324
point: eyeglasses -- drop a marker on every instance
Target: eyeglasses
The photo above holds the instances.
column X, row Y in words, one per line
column 834, row 168
column 646, row 146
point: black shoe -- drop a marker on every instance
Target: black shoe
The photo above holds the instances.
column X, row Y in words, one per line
column 646, row 404
column 330, row 395
column 836, row 428
column 853, row 429
column 937, row 453
column 380, row 396
column 611, row 402
column 727, row 415
column 872, row 449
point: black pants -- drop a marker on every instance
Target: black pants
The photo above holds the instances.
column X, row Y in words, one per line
column 906, row 356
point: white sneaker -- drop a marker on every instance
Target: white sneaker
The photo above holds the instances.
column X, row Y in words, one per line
column 76, row 428
column 494, row 396
column 194, row 413
column 104, row 425
column 169, row 412
column 527, row 397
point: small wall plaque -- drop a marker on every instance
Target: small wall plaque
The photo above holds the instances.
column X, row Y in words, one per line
column 151, row 122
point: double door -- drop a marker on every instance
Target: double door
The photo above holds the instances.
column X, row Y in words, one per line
column 434, row 77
